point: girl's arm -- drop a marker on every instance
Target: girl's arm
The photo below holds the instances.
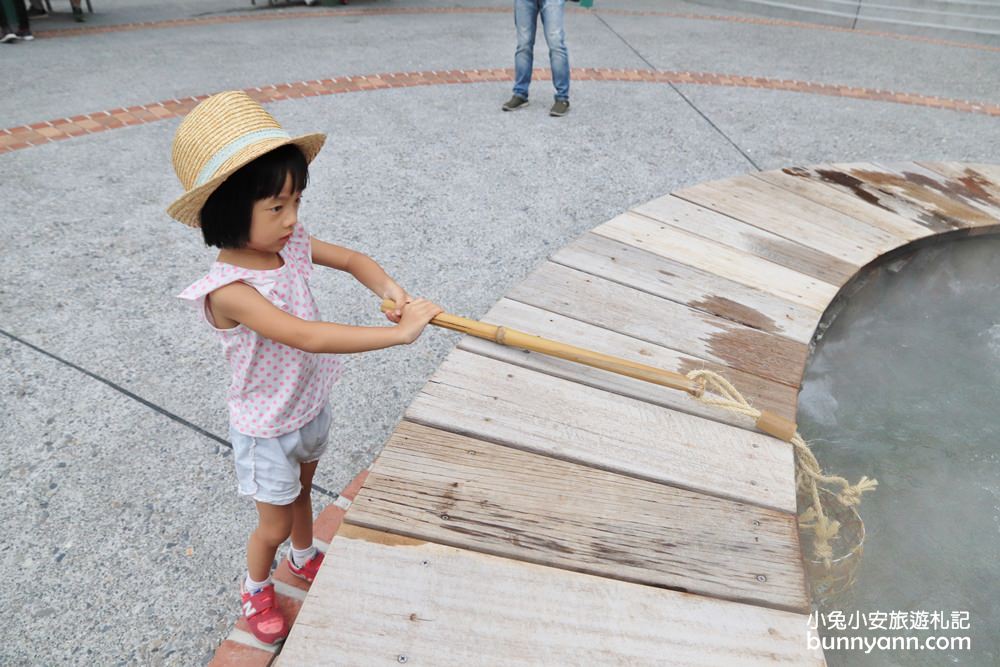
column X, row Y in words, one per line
column 244, row 304
column 364, row 269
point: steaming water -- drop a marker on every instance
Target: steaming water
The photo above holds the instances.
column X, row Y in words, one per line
column 904, row 386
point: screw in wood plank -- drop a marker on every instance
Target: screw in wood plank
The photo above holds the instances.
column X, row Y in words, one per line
column 445, row 517
column 761, row 578
column 401, row 658
column 756, row 522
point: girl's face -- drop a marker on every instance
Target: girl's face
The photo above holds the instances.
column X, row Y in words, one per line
column 274, row 219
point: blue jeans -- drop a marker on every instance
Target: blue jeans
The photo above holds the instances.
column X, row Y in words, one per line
column 526, row 20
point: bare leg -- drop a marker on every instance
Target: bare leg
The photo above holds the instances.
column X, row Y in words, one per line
column 273, row 527
column 302, row 517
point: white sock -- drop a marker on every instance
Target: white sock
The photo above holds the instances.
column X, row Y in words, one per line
column 252, row 586
column 301, row 556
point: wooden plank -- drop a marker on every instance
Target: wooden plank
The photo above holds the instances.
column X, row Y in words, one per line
column 975, row 177
column 793, row 217
column 738, row 235
column 989, row 173
column 452, row 489
column 383, row 599
column 484, row 398
column 855, row 202
column 981, row 181
column 706, row 255
column 888, row 191
column 648, row 272
column 612, row 306
column 764, row 394
column 973, row 205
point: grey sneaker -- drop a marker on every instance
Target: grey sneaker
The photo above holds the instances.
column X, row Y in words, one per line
column 515, row 103
column 7, row 36
column 560, row 108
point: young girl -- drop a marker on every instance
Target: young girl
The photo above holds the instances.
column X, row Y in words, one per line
column 244, row 178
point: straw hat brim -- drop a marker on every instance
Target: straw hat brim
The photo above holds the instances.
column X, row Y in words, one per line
column 187, row 208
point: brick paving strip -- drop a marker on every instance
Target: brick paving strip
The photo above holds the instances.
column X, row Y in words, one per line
column 307, row 14
column 241, row 647
column 36, row 134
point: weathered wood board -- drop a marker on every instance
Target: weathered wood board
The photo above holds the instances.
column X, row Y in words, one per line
column 606, row 304
column 709, row 256
column 982, row 179
column 855, row 202
column 763, row 394
column 383, row 599
column 491, row 400
column 793, row 217
column 453, row 489
column 867, row 181
column 738, row 235
column 647, row 272
column 979, row 182
column 956, row 198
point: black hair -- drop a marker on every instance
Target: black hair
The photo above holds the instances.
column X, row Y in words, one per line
column 225, row 217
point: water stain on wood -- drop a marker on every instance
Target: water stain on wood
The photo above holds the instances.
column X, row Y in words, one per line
column 756, row 352
column 971, row 187
column 355, row 532
column 947, row 197
column 761, row 393
column 876, row 189
column 737, row 312
column 980, row 187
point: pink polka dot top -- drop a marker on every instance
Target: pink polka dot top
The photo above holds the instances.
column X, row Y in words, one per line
column 275, row 389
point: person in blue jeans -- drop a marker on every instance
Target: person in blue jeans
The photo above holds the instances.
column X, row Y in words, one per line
column 526, row 20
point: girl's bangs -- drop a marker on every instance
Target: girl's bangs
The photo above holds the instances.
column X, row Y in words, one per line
column 273, row 168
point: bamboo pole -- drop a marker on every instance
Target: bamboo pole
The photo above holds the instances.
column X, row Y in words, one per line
column 767, row 421
column 524, row 341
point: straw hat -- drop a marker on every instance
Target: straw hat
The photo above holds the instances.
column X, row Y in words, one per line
column 220, row 135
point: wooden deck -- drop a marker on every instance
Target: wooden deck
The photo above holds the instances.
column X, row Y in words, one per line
column 532, row 511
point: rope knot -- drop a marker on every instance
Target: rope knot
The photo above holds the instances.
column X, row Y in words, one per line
column 851, row 495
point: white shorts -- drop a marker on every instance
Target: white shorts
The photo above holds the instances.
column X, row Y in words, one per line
column 268, row 468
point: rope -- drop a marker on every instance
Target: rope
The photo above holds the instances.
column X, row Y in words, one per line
column 716, row 390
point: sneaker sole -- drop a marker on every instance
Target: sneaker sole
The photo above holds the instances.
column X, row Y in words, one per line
column 558, row 115
column 7, row 40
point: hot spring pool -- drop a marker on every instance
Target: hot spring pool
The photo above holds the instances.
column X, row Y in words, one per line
column 904, row 386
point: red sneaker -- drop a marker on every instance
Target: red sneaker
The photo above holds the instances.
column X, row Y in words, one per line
column 265, row 620
column 309, row 570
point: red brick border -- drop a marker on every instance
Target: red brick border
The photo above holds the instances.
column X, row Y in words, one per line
column 307, row 14
column 35, row 134
column 238, row 648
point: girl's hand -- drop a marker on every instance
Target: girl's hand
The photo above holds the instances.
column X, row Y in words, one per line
column 416, row 315
column 399, row 295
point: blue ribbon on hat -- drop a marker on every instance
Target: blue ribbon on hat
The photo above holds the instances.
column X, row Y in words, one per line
column 234, row 147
